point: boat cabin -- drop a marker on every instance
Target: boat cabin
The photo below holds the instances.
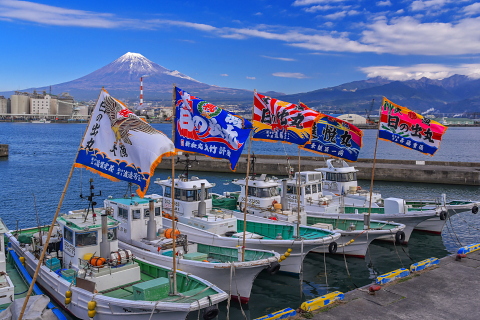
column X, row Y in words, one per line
column 263, row 192
column 193, row 205
column 133, row 215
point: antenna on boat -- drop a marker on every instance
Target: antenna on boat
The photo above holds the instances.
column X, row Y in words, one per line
column 188, row 164
column 91, row 203
column 38, row 219
column 252, row 160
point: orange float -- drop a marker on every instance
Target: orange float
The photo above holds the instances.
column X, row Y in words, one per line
column 97, row 261
column 170, row 234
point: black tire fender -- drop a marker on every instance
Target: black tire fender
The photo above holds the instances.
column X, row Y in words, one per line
column 399, row 237
column 443, row 215
column 210, row 313
column 273, row 268
column 475, row 209
column 332, row 247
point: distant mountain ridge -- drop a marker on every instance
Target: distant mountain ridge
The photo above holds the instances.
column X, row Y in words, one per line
column 455, row 94
column 121, row 78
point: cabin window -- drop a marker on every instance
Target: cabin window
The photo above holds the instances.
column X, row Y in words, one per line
column 190, row 195
column 123, row 213
column 291, row 189
column 167, row 192
column 136, row 214
column 158, row 212
column 112, row 234
column 146, row 213
column 308, row 189
column 207, row 194
column 252, row 191
column 314, row 188
column 178, row 193
column 68, row 235
column 85, row 239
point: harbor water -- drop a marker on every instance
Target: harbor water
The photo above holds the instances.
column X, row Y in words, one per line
column 41, row 155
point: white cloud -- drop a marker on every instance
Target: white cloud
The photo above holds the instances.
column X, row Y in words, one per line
column 428, row 4
column 251, row 78
column 310, row 2
column 296, row 75
column 472, row 9
column 50, row 15
column 319, row 8
column 408, row 36
column 385, row 3
column 279, row 58
column 224, row 75
column 336, row 15
column 418, row 71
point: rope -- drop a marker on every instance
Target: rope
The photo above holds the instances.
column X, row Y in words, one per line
column 155, row 307
column 396, row 250
column 230, row 292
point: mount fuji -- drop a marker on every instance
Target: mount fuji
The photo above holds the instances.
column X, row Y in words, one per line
column 121, row 78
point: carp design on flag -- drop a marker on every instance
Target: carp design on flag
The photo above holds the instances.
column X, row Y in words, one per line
column 205, row 128
column 276, row 120
column 409, row 129
column 119, row 145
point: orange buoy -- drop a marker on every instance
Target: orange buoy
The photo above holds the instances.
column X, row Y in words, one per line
column 97, row 261
column 170, row 234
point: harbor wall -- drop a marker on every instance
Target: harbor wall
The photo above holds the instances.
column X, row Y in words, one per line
column 442, row 172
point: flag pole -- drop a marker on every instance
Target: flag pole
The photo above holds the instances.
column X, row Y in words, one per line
column 54, row 220
column 174, row 238
column 298, row 195
column 373, row 168
column 246, row 182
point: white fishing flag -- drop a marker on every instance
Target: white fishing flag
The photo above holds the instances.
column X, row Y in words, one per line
column 119, row 145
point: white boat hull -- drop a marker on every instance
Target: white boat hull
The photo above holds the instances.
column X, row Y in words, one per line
column 107, row 308
column 235, row 278
column 409, row 220
column 293, row 264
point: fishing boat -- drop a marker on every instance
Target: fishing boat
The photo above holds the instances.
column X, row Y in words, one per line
column 14, row 281
column 339, row 178
column 266, row 202
column 90, row 277
column 41, row 120
column 144, row 235
column 201, row 223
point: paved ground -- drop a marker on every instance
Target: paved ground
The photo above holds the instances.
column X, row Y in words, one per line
column 449, row 291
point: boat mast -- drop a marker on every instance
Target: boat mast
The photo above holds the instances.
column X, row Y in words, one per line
column 367, row 224
column 173, row 291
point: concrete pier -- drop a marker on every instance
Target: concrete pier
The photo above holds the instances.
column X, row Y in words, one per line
column 446, row 291
column 3, row 150
column 464, row 173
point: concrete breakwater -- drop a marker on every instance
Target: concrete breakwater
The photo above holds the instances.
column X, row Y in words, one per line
column 465, row 173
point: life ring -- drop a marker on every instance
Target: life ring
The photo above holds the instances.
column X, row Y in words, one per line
column 210, row 313
column 332, row 247
column 475, row 209
column 273, row 268
column 399, row 237
column 443, row 215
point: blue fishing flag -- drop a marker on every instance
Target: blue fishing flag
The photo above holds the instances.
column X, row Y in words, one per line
column 207, row 129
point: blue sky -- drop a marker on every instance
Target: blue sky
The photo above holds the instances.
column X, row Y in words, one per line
column 286, row 46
